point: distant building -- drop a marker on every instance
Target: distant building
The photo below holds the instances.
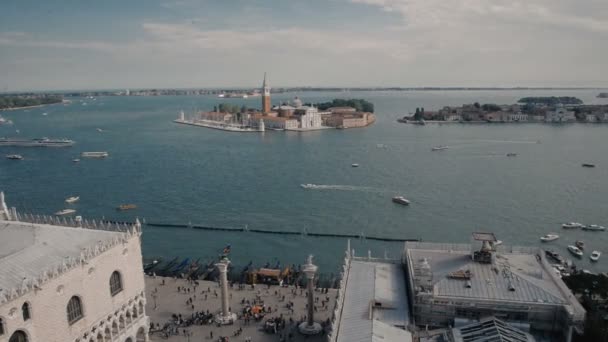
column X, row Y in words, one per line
column 64, row 280
column 342, row 109
column 350, row 120
column 560, row 115
column 591, row 118
column 278, row 123
column 517, row 117
column 309, row 117
column 265, row 96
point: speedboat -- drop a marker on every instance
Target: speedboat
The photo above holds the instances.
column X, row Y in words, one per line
column 549, row 237
column 65, row 212
column 75, row 160
column 355, row 165
column 401, row 200
column 126, row 207
column 575, row 250
column 307, row 186
column 439, row 148
column 14, row 156
column 580, row 244
column 595, row 255
column 572, row 225
column 594, row 227
column 72, row 199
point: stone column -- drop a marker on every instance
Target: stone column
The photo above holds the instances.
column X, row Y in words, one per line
column 310, row 327
column 224, row 316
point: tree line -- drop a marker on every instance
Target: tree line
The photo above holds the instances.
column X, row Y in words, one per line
column 8, row 102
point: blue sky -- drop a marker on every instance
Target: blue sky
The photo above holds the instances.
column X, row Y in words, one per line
column 202, row 43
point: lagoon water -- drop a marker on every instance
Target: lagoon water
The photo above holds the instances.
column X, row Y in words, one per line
column 180, row 174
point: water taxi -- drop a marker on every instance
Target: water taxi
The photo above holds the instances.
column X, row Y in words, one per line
column 401, row 200
column 595, row 255
column 572, row 225
column 594, row 227
column 126, row 207
column 65, row 212
column 72, row 199
column 549, row 237
column 439, row 148
column 575, row 250
column 14, row 156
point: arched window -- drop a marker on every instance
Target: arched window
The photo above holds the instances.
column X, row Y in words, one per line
column 18, row 336
column 25, row 310
column 74, row 310
column 1, row 327
column 115, row 283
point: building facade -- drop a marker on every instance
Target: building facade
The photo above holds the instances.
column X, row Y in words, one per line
column 309, row 117
column 70, row 281
column 560, row 115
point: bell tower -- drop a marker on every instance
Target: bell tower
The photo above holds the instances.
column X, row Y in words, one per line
column 265, row 96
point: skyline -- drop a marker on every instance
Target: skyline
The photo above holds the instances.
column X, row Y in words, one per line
column 59, row 45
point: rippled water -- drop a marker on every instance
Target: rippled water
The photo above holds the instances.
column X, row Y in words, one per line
column 182, row 174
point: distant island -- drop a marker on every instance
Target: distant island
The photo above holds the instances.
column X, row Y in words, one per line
column 603, row 95
column 528, row 109
column 284, row 116
column 16, row 102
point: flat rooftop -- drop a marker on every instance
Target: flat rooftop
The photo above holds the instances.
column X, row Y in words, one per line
column 27, row 250
column 375, row 304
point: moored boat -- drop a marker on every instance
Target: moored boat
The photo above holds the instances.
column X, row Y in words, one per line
column 65, row 212
column 549, row 237
column 72, row 199
column 575, row 250
column 126, row 207
column 572, row 225
column 580, row 244
column 401, row 200
column 594, row 227
column 595, row 255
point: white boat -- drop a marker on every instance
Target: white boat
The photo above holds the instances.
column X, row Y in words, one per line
column 99, row 130
column 594, row 227
column 355, row 165
column 549, row 237
column 497, row 243
column 439, row 148
column 94, row 154
column 72, row 199
column 401, row 200
column 14, row 156
column 572, row 225
column 575, row 250
column 75, row 160
column 595, row 255
column 65, row 212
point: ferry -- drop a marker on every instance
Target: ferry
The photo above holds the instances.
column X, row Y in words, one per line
column 65, row 212
column 572, row 225
column 575, row 250
column 39, row 142
column 595, row 255
column 72, row 199
column 401, row 200
column 594, row 227
column 94, row 154
column 123, row 207
column 14, row 156
column 549, row 237
column 439, row 148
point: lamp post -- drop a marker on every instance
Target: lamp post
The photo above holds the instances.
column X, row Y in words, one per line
column 310, row 327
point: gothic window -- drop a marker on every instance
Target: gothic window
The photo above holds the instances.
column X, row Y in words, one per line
column 25, row 310
column 115, row 283
column 74, row 310
column 18, row 336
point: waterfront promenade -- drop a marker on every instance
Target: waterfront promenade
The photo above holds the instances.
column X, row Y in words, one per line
column 169, row 301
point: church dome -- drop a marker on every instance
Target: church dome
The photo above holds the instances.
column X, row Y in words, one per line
column 297, row 102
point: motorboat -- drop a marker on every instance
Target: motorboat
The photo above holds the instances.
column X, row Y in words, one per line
column 594, row 227
column 595, row 255
column 307, row 186
column 549, row 237
column 588, row 165
column 511, row 154
column 99, row 130
column 72, row 199
column 401, row 200
column 14, row 156
column 126, row 207
column 65, row 212
column 580, row 244
column 75, row 160
column 572, row 225
column 354, row 165
column 575, row 250
column 439, row 148
column 94, row 154
column 555, row 256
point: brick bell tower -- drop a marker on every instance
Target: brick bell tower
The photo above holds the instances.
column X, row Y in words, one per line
column 265, row 96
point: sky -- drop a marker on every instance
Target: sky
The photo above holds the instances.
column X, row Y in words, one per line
column 110, row 44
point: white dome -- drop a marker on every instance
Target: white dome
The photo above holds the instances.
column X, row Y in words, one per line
column 297, row 102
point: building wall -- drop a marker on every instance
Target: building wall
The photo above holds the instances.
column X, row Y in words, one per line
column 265, row 103
column 91, row 282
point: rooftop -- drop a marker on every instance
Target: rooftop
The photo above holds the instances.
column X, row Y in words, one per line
column 375, row 303
column 28, row 250
column 490, row 329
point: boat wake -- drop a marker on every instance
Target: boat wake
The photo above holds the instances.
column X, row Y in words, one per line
column 337, row 187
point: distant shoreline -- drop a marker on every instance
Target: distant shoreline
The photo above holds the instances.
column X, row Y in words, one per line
column 28, row 107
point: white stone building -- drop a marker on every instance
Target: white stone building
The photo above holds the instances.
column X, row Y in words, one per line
column 309, row 117
column 517, row 117
column 63, row 280
column 559, row 115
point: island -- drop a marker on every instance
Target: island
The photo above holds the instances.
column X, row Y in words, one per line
column 527, row 110
column 8, row 102
column 284, row 116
